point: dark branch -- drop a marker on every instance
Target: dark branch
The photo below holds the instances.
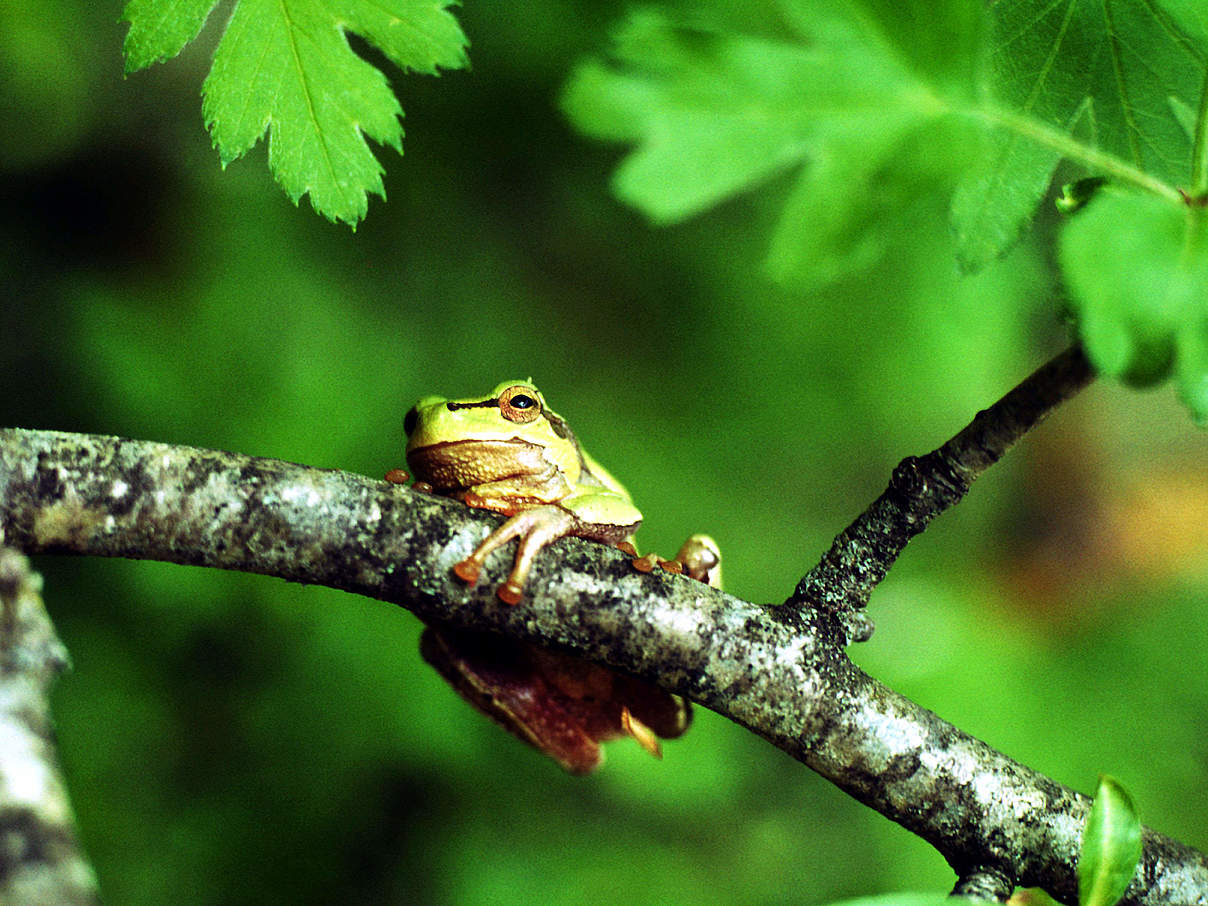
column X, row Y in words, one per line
column 984, row 886
column 40, row 860
column 923, row 487
column 786, row 678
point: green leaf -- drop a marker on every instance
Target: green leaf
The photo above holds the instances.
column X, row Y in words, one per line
column 1106, row 85
column 159, row 29
column 1137, row 268
column 285, row 66
column 1111, row 846
column 838, row 97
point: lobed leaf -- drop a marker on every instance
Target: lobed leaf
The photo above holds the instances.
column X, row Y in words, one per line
column 713, row 113
column 285, row 67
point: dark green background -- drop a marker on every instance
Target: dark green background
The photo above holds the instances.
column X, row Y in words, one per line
column 235, row 739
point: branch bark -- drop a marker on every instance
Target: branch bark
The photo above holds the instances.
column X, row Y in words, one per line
column 40, row 860
column 783, row 674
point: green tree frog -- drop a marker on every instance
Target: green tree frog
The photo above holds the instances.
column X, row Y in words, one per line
column 509, row 452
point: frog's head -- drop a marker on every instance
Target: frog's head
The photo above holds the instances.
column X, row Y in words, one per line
column 461, row 443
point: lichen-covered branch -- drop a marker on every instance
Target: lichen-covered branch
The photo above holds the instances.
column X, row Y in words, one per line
column 40, row 860
column 923, row 487
column 784, row 675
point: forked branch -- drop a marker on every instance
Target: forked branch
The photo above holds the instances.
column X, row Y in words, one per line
column 923, row 487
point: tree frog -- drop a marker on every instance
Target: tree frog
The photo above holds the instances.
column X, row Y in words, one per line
column 509, row 452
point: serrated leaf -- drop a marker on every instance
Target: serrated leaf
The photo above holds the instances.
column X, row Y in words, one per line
column 159, row 29
column 285, row 67
column 1111, row 846
column 713, row 113
column 1137, row 268
column 1098, row 83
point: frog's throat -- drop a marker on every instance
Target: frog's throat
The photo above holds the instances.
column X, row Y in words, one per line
column 457, row 464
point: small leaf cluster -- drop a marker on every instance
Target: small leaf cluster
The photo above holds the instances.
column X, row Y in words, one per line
column 862, row 103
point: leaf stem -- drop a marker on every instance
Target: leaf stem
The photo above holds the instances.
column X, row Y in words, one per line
column 1069, row 147
column 1199, row 146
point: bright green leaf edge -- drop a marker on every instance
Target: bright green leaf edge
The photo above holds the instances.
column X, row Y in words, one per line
column 1111, row 846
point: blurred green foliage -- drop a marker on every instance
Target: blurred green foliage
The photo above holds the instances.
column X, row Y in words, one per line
column 235, row 739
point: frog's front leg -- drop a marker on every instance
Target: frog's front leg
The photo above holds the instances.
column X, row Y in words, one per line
column 536, row 528
column 596, row 516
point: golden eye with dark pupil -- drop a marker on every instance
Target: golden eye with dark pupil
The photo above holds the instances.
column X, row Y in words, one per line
column 519, row 404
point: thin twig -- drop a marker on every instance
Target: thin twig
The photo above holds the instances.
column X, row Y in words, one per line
column 788, row 680
column 923, row 487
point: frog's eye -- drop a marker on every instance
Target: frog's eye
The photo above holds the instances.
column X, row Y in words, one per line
column 410, row 420
column 520, row 404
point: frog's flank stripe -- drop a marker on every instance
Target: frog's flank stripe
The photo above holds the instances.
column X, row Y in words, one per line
column 562, row 429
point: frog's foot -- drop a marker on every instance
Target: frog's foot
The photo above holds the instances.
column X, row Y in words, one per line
column 644, row 736
column 646, row 564
column 397, row 476
column 535, row 528
column 649, row 562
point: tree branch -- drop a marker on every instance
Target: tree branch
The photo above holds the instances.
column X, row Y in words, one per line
column 923, row 487
column 40, row 861
column 783, row 675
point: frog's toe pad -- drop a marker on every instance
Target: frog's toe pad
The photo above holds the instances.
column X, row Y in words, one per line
column 644, row 736
column 467, row 571
column 510, row 592
column 646, row 564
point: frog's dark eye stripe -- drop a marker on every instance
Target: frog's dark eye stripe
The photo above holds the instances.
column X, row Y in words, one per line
column 520, row 404
column 410, row 420
column 453, row 405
